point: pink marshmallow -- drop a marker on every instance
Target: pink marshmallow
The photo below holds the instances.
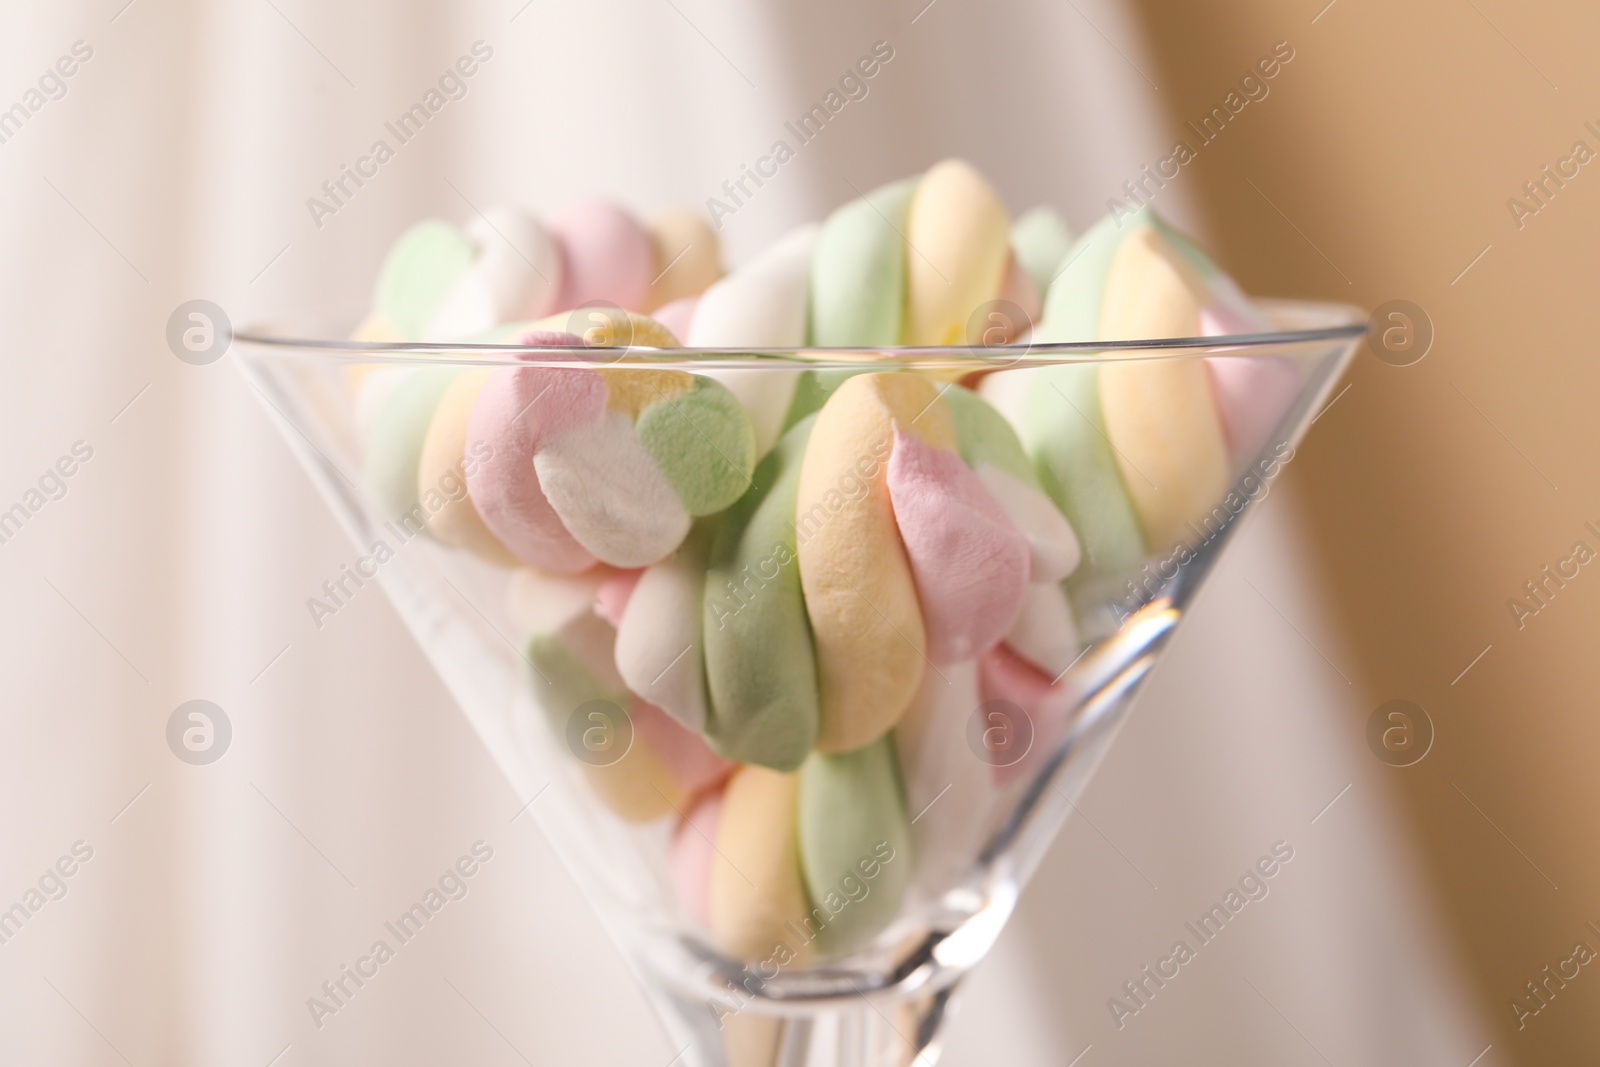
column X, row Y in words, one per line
column 609, row 256
column 968, row 558
column 611, row 599
column 1252, row 392
column 692, row 852
column 1004, row 675
column 517, row 410
column 677, row 316
column 685, row 752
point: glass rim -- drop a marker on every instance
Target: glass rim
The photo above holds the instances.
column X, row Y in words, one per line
column 1345, row 326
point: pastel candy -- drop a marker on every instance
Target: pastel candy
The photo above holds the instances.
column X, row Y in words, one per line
column 419, row 273
column 687, row 258
column 1078, row 470
column 1045, row 633
column 1053, row 551
column 692, row 853
column 1017, row 288
column 621, row 458
column 858, row 270
column 607, row 256
column 516, row 409
column 659, row 650
column 616, row 590
column 991, row 448
column 373, row 392
column 761, row 671
column 948, row 791
column 609, row 492
column 762, row 305
column 855, row 844
column 683, row 751
column 756, row 889
column 677, row 316
column 575, row 677
column 1252, row 392
column 394, row 447
column 374, row 329
column 969, row 560
column 704, row 444
column 1040, row 241
column 1004, row 676
column 442, row 471
column 543, row 603
column 1160, row 413
column 959, row 234
column 516, row 275
column 859, row 589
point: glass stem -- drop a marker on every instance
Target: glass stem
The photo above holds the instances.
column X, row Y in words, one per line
column 904, row 1034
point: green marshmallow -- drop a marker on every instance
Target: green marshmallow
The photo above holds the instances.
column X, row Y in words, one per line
column 761, row 671
column 422, row 268
column 703, row 442
column 855, row 844
column 984, row 436
column 1064, row 428
column 1041, row 241
column 573, row 667
column 858, row 270
column 1078, row 470
column 394, row 447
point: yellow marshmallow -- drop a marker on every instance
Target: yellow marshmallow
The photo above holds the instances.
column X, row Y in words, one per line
column 445, row 451
column 631, row 391
column 375, row 328
column 959, row 239
column 756, row 891
column 859, row 591
column 688, row 259
column 639, row 787
column 1160, row 414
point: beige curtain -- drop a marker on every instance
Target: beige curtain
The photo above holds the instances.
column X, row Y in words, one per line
column 175, row 563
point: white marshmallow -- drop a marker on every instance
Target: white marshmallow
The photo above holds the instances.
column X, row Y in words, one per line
column 763, row 305
column 659, row 651
column 1052, row 546
column 515, row 277
column 610, row 494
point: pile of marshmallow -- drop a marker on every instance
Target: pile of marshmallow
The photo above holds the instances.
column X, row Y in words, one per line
column 790, row 592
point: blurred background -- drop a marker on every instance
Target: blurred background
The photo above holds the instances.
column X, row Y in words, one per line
column 175, row 163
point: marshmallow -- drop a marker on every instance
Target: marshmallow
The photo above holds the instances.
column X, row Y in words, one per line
column 858, row 584
column 858, row 270
column 959, row 236
column 855, row 844
column 948, row 791
column 574, row 669
column 442, row 472
column 991, row 448
column 687, row 258
column 419, row 274
column 1040, row 241
column 1045, row 633
column 394, row 447
column 516, row 275
column 1160, row 414
column 607, row 256
column 757, row 898
column 659, row 651
column 761, row 668
column 969, row 560
column 692, row 854
column 762, row 305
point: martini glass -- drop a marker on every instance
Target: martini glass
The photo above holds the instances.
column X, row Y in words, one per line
column 884, row 1003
